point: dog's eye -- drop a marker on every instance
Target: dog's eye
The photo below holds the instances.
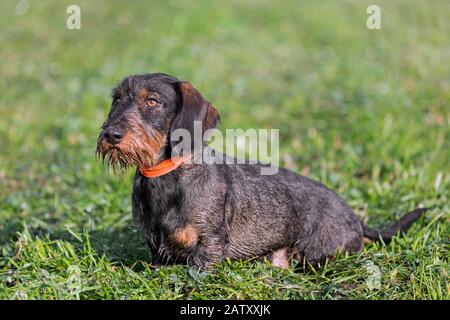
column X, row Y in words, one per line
column 152, row 102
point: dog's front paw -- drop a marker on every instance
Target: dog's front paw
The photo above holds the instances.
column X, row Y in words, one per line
column 199, row 262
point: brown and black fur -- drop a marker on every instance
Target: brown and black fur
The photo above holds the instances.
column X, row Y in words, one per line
column 200, row 214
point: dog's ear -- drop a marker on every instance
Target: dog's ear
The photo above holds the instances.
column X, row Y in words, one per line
column 192, row 107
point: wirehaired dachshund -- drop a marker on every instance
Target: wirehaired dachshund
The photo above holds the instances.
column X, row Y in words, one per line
column 202, row 213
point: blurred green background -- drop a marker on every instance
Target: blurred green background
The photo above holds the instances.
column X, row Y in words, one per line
column 365, row 111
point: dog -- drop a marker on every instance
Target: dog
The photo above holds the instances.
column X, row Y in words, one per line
column 200, row 214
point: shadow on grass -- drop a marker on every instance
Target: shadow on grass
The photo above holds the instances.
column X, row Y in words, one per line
column 120, row 245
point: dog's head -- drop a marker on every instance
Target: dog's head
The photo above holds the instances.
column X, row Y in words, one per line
column 145, row 110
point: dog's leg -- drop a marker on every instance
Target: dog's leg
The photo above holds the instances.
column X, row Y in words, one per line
column 154, row 259
column 280, row 258
column 208, row 252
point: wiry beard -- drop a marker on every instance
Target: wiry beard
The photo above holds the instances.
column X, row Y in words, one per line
column 114, row 158
column 136, row 149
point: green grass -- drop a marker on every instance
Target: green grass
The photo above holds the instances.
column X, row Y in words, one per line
column 366, row 112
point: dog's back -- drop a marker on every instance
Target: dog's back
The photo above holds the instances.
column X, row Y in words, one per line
column 268, row 212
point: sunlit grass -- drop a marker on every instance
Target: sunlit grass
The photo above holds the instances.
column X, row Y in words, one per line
column 366, row 112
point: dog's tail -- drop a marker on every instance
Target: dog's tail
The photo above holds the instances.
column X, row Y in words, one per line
column 401, row 226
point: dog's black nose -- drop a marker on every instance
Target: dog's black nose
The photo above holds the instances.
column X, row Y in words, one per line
column 113, row 135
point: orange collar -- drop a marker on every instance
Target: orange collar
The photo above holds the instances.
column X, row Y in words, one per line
column 164, row 167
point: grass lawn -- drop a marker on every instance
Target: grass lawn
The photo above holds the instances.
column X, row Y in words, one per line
column 367, row 112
